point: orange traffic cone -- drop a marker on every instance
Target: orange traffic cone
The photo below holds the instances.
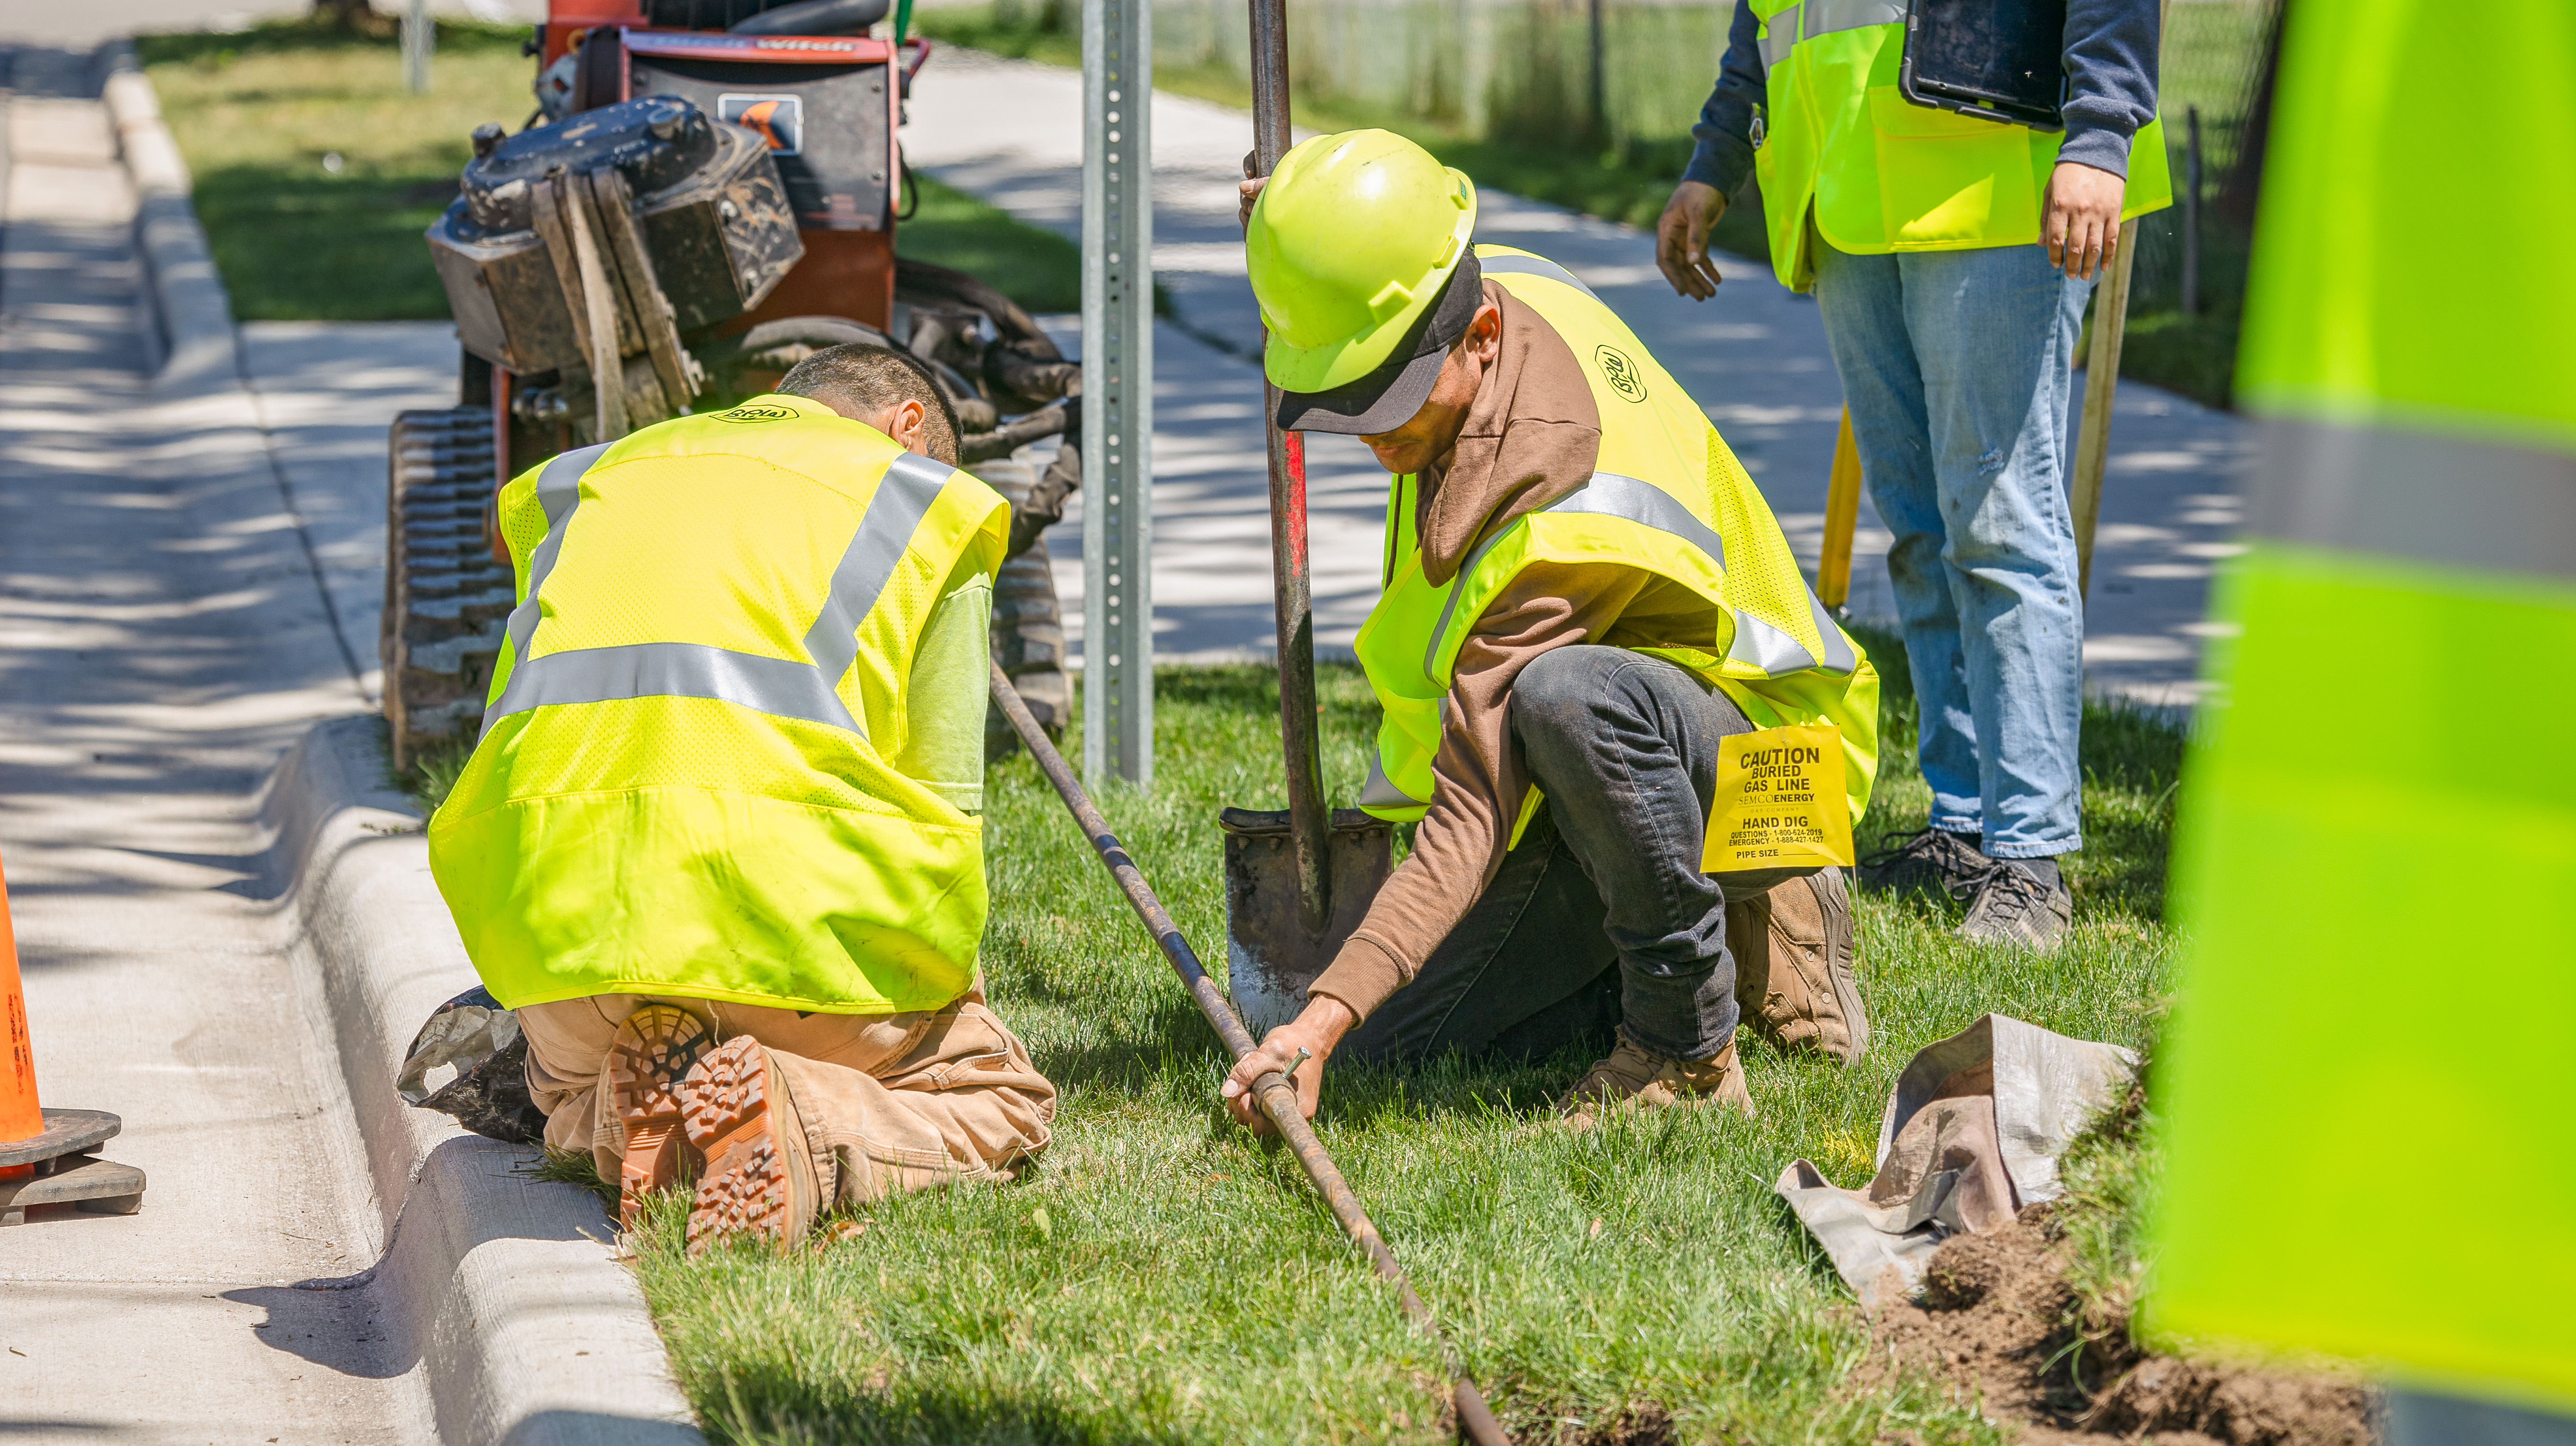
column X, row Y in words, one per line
column 47, row 1157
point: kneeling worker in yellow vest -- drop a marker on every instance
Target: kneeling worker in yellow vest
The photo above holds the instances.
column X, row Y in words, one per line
column 1633, row 739
column 721, row 846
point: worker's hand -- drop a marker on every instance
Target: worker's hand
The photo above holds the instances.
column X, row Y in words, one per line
column 1316, row 1031
column 1249, row 191
column 1681, row 239
column 2082, row 229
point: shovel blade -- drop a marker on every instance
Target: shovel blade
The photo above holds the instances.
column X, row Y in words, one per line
column 1270, row 958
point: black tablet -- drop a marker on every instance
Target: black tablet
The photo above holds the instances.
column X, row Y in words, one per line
column 1997, row 60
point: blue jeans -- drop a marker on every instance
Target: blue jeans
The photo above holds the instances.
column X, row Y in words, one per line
column 1955, row 364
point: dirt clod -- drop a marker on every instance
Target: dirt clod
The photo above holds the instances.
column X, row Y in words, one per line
column 2000, row 1321
column 1967, row 1269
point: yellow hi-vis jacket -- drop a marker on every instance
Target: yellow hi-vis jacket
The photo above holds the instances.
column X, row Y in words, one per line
column 2413, row 504
column 682, row 784
column 1880, row 173
column 1666, row 496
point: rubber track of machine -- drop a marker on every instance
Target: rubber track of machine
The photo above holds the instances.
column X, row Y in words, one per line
column 1028, row 626
column 446, row 599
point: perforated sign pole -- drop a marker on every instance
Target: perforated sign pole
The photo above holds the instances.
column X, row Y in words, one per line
column 1117, row 390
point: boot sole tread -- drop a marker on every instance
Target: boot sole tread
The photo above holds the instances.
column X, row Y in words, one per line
column 648, row 1058
column 725, row 1108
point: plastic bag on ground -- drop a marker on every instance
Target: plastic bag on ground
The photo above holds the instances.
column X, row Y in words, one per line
column 1971, row 1134
column 471, row 1061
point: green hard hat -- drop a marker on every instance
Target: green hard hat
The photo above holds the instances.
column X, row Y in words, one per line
column 1352, row 245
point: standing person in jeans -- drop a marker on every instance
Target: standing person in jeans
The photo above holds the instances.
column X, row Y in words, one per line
column 1951, row 258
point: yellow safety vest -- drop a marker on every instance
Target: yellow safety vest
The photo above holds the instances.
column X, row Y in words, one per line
column 1666, row 496
column 2354, row 1165
column 1880, row 173
column 682, row 785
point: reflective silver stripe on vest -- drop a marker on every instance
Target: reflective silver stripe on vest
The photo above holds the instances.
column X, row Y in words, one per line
column 1824, row 17
column 2444, row 500
column 1780, row 32
column 1531, row 266
column 1608, row 494
column 1840, row 659
column 558, row 493
column 782, row 686
column 1380, row 791
column 912, row 483
column 1766, row 647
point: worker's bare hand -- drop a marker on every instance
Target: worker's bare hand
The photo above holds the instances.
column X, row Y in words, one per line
column 1681, row 239
column 1249, row 191
column 2082, row 228
column 1316, row 1031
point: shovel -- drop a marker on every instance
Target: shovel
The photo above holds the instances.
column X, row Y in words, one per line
column 1296, row 882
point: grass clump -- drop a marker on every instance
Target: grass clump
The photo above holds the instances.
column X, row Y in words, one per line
column 432, row 772
column 316, row 172
column 2110, row 1173
column 572, row 1167
column 1158, row 1276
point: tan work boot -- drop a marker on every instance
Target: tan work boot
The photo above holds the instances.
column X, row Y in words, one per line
column 759, row 1176
column 648, row 1056
column 1634, row 1077
column 1795, row 953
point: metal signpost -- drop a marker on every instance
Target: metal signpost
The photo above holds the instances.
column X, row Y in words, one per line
column 1117, row 390
column 419, row 38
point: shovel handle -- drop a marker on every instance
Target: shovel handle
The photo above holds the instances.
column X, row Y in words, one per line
column 1269, row 84
column 1309, row 826
column 1276, row 1094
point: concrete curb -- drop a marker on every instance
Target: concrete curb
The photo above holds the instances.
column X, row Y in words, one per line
column 188, row 326
column 528, row 1329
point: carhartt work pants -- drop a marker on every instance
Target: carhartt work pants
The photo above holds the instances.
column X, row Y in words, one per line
column 889, row 1102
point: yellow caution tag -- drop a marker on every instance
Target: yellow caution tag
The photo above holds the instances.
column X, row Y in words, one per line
column 1780, row 801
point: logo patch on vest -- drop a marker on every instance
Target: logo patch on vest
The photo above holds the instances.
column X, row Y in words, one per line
column 754, row 414
column 1622, row 372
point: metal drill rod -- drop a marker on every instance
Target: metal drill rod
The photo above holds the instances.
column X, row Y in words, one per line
column 1309, row 824
column 1277, row 1095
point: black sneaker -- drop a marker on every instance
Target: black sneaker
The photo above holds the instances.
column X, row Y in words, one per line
column 1929, row 860
column 2014, row 905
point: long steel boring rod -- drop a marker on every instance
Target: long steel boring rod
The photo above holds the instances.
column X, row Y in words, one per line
column 1277, row 1096
column 1309, row 826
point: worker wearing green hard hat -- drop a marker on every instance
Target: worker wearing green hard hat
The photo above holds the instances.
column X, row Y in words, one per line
column 1351, row 257
column 1632, row 739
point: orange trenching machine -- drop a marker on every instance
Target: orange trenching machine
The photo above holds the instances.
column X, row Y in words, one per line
column 707, row 192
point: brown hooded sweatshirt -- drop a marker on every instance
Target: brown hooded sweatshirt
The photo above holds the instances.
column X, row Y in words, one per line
column 1531, row 437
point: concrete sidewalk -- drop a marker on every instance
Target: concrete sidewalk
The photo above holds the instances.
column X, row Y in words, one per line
column 161, row 645
column 1754, row 357
column 223, row 910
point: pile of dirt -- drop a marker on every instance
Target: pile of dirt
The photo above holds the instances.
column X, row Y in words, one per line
column 1999, row 1319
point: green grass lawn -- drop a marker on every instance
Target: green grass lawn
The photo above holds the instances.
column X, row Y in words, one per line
column 1157, row 1276
column 260, row 114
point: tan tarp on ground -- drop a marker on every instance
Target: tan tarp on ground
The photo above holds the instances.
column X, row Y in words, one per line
column 1972, row 1133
